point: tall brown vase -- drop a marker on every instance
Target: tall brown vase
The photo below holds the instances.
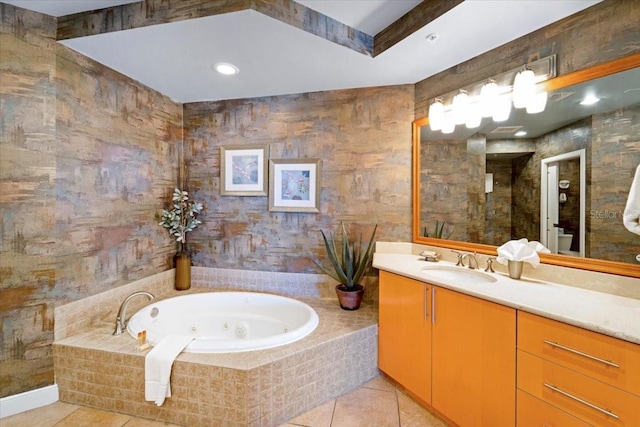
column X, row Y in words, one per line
column 182, row 263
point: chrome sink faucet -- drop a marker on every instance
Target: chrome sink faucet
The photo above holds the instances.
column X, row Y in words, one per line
column 121, row 319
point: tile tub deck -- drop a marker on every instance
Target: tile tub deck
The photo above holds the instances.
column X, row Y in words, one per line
column 257, row 388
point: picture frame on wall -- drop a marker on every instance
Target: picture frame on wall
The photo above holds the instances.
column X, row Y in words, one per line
column 243, row 170
column 294, row 185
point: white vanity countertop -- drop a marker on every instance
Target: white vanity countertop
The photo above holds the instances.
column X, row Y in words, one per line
column 608, row 314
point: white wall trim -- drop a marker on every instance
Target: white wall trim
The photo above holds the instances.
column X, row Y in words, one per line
column 31, row 399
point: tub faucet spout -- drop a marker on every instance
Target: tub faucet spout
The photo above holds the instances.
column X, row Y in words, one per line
column 121, row 319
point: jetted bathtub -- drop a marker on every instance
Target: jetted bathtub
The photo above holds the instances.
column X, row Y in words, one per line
column 226, row 322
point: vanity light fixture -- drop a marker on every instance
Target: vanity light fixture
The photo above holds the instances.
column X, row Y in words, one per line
column 589, row 100
column 494, row 97
column 226, row 69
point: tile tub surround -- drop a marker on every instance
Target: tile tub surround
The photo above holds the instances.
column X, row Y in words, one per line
column 258, row 388
column 261, row 388
column 606, row 313
column 78, row 316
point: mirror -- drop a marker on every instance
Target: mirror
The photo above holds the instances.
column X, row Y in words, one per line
column 475, row 189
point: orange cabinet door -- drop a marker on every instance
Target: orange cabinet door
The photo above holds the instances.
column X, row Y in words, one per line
column 404, row 334
column 474, row 360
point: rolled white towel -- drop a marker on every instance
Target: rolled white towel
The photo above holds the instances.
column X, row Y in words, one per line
column 631, row 216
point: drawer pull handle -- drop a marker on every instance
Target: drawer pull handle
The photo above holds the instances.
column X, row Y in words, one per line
column 597, row 359
column 584, row 402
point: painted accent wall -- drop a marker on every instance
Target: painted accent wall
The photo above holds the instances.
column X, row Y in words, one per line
column 87, row 157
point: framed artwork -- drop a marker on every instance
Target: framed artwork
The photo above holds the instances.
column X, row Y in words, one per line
column 294, row 185
column 243, row 171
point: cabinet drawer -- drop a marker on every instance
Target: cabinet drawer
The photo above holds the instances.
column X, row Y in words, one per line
column 572, row 392
column 610, row 360
column 534, row 412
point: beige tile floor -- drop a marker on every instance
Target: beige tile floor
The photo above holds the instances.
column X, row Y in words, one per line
column 377, row 403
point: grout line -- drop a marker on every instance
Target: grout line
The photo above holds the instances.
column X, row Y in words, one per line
column 398, row 406
column 333, row 412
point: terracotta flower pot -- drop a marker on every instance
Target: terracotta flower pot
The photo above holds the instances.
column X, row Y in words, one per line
column 350, row 299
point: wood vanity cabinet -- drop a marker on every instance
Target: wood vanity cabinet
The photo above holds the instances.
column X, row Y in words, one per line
column 473, row 360
column 455, row 352
column 575, row 376
column 404, row 333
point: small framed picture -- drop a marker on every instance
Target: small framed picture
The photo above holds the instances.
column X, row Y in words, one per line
column 294, row 185
column 243, row 171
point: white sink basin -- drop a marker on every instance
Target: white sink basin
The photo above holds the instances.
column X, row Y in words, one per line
column 457, row 274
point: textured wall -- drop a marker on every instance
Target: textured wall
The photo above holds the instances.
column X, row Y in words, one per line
column 443, row 185
column 498, row 219
column 87, row 160
column 28, row 199
column 616, row 155
column 363, row 137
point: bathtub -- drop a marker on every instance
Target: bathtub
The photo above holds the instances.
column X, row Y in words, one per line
column 226, row 322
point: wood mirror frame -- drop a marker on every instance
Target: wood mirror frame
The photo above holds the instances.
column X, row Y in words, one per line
column 591, row 264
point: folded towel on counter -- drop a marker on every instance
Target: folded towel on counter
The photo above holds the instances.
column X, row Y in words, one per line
column 157, row 367
column 521, row 250
column 631, row 216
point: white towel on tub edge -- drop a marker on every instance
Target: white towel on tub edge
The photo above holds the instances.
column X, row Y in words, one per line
column 157, row 367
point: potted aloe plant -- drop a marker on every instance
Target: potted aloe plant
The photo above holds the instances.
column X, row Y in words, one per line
column 179, row 220
column 349, row 262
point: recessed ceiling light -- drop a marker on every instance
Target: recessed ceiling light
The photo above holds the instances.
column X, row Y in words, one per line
column 589, row 100
column 520, row 133
column 431, row 38
column 226, row 68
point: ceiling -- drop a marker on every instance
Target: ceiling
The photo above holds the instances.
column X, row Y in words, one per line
column 275, row 58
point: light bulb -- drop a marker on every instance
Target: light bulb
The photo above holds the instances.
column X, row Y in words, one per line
column 538, row 103
column 436, row 113
column 448, row 123
column 589, row 100
column 524, row 88
column 460, row 108
column 503, row 109
column 489, row 98
column 474, row 118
